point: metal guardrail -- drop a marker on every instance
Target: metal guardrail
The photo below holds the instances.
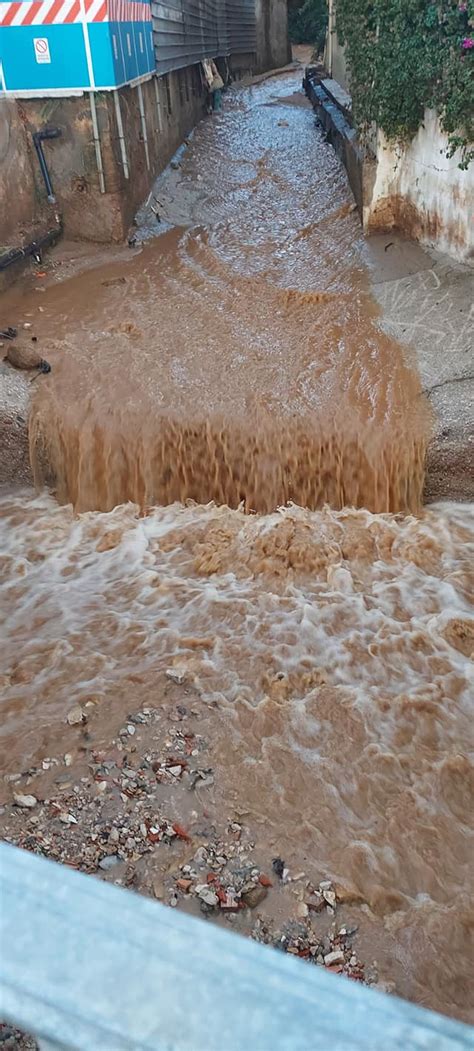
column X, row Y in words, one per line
column 88, row 966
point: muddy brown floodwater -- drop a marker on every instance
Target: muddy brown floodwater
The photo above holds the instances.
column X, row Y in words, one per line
column 238, row 359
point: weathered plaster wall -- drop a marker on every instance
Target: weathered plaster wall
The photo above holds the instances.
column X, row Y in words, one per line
column 273, row 44
column 418, row 190
column 20, row 202
column 87, row 213
column 335, row 57
column 338, row 66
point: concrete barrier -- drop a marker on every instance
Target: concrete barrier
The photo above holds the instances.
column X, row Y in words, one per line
column 92, row 967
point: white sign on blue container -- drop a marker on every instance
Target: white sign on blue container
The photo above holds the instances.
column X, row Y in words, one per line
column 41, row 46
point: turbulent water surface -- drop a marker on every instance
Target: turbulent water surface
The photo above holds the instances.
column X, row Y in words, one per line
column 335, row 648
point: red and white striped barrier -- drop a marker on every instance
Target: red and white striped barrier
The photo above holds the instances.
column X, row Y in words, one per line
column 65, row 12
column 129, row 11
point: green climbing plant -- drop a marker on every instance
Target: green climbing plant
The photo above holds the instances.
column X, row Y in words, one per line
column 408, row 55
column 307, row 22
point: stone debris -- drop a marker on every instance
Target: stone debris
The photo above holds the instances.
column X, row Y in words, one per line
column 28, row 802
column 109, row 862
column 12, row 1039
column 254, row 896
column 75, row 716
column 176, row 675
column 118, row 819
column 336, row 956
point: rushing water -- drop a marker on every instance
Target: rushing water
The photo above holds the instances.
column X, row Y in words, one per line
column 333, row 648
column 238, row 359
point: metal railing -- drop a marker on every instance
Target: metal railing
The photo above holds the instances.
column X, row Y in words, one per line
column 91, row 967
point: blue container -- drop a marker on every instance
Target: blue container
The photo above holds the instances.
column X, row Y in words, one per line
column 73, row 45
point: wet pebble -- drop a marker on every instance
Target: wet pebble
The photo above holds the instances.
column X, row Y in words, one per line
column 254, row 895
column 25, row 801
column 75, row 716
column 109, row 862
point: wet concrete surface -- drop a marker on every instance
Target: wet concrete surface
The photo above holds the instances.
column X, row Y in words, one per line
column 427, row 303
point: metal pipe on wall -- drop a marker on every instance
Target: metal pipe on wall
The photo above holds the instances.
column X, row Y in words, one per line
column 142, row 118
column 98, row 151
column 143, row 122
column 123, row 145
column 38, row 139
column 14, row 255
column 158, row 105
column 331, row 31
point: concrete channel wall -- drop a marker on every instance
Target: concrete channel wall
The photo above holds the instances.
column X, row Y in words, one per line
column 100, row 179
column 422, row 192
column 414, row 188
column 92, row 209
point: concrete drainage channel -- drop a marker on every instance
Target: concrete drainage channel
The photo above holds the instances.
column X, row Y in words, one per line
column 424, row 298
column 424, row 303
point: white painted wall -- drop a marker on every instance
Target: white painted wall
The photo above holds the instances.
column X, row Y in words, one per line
column 335, row 58
column 417, row 188
column 439, row 195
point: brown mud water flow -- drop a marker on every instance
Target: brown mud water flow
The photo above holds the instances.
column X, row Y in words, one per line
column 238, row 357
column 322, row 656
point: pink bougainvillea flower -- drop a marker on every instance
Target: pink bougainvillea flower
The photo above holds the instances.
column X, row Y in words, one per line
column 467, row 43
column 462, row 6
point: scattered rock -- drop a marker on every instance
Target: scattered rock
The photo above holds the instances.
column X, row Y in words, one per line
column 109, row 862
column 67, row 819
column 119, row 807
column 265, row 880
column 75, row 716
column 28, row 802
column 254, row 896
column 176, row 675
column 316, row 903
column 207, row 894
column 26, row 358
column 184, row 884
